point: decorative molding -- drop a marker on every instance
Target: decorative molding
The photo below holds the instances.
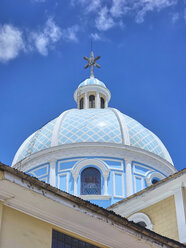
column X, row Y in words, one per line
column 140, row 217
column 92, row 88
column 114, row 184
column 117, row 151
column 180, row 203
column 32, row 171
column 94, row 162
column 58, row 181
column 150, row 175
column 129, row 181
column 52, row 178
column 135, row 185
column 90, row 162
column 95, row 197
column 123, row 127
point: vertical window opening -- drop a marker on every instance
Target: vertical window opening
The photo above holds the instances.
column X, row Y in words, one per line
column 90, row 181
column 81, row 103
column 102, row 102
column 91, row 101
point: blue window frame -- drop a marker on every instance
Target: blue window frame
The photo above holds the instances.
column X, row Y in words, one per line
column 61, row 240
column 90, row 181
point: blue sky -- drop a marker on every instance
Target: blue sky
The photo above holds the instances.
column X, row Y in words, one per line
column 142, row 44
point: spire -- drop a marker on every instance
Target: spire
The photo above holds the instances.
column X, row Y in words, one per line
column 92, row 62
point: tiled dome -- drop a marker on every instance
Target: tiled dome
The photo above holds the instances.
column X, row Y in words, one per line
column 92, row 81
column 92, row 125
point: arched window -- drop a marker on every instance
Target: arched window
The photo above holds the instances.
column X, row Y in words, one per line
column 91, row 101
column 90, row 181
column 142, row 220
column 102, row 102
column 81, row 103
column 153, row 178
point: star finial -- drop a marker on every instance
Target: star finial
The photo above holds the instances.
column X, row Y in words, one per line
column 92, row 62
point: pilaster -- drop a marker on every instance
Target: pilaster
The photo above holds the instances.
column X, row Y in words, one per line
column 180, row 213
column 129, row 181
column 52, row 178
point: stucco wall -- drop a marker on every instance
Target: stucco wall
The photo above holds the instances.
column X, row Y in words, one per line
column 163, row 217
column 19, row 230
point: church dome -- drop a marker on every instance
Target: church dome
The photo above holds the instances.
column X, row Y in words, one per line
column 92, row 125
column 94, row 151
column 91, row 81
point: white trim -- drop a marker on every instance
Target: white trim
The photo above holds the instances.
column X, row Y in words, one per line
column 52, row 178
column 151, row 175
column 129, row 181
column 83, row 163
column 181, row 213
column 123, row 126
column 58, row 181
column 114, row 160
column 95, row 197
column 142, row 183
column 96, row 149
column 54, row 141
column 59, row 162
column 67, row 215
column 137, row 217
column 143, row 166
column 114, row 184
column 92, row 88
column 149, row 197
column 38, row 168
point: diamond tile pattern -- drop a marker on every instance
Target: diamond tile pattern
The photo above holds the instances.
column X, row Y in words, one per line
column 90, row 125
column 38, row 141
column 142, row 138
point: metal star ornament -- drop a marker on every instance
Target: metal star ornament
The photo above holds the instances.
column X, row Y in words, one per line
column 92, row 63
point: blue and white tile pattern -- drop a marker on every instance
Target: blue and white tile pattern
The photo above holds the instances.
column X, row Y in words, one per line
column 92, row 125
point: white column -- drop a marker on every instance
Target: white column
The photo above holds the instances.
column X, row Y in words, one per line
column 53, row 173
column 97, row 100
column 106, row 103
column 180, row 213
column 86, row 101
column 75, row 185
column 129, row 183
column 105, row 183
column 1, row 217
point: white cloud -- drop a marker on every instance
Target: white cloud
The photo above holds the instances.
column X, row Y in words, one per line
column 175, row 17
column 45, row 39
column 11, row 42
column 138, row 8
column 104, row 21
column 70, row 34
column 42, row 40
column 88, row 5
column 119, row 8
column 95, row 36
